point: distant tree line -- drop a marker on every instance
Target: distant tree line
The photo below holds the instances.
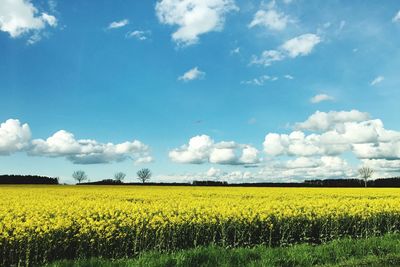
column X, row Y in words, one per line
column 381, row 182
column 103, row 182
column 210, row 183
column 27, row 179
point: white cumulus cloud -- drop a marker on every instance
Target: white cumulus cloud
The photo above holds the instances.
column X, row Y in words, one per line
column 14, row 136
column 339, row 132
column 87, row 151
column 301, row 45
column 303, row 168
column 18, row 17
column 202, row 149
column 299, row 144
column 271, row 18
column 322, row 121
column 193, row 17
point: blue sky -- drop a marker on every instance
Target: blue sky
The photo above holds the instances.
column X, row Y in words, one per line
column 216, row 89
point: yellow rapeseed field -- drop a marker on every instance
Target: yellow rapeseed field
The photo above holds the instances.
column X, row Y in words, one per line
column 42, row 223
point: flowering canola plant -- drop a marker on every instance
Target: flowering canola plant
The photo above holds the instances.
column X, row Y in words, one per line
column 39, row 224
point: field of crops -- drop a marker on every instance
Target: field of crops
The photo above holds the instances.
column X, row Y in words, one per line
column 39, row 224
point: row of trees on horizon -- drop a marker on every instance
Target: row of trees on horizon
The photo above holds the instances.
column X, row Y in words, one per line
column 143, row 175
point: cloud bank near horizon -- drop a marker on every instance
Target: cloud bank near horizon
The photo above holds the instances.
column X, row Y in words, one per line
column 317, row 147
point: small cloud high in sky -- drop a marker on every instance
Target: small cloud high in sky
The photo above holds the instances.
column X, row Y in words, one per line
column 396, row 18
column 282, row 90
column 192, row 74
column 377, row 80
column 299, row 46
column 270, row 18
column 320, row 98
column 138, row 35
column 118, row 24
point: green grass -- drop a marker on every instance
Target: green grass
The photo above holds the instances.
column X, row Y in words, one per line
column 375, row 251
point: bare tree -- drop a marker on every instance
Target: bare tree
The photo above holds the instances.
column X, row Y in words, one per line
column 144, row 175
column 119, row 176
column 365, row 173
column 79, row 176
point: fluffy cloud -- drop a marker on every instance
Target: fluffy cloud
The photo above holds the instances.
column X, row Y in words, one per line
column 303, row 168
column 118, row 24
column 193, row 17
column 299, row 46
column 249, row 155
column 192, row 74
column 202, row 149
column 14, row 136
column 396, row 18
column 18, row 17
column 271, row 18
column 378, row 150
column 321, row 97
column 343, row 131
column 301, row 145
column 377, row 80
column 322, row 121
column 86, row 151
column 197, row 151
